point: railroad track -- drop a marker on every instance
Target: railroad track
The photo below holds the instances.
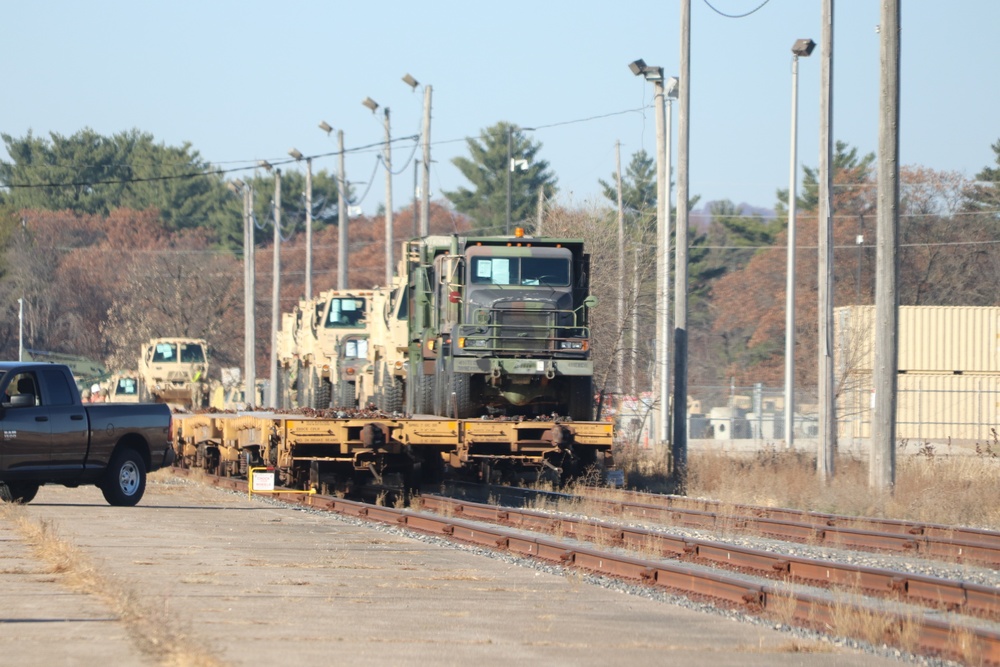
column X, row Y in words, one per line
column 953, row 543
column 924, row 615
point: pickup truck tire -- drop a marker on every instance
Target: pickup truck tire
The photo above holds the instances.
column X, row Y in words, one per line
column 126, row 479
column 18, row 492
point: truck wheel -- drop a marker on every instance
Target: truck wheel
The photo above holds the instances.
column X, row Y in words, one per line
column 461, row 385
column 125, row 480
column 18, row 492
column 393, row 397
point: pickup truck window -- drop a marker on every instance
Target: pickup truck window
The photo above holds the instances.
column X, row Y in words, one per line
column 59, row 392
column 24, row 385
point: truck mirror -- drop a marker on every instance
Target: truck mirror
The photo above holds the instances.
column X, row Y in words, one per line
column 590, row 301
column 22, row 401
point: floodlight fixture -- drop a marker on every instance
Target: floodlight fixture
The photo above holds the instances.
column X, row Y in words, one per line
column 803, row 47
column 640, row 68
column 325, row 126
column 672, row 87
column 410, row 81
column 370, row 103
column 295, row 154
column 637, row 66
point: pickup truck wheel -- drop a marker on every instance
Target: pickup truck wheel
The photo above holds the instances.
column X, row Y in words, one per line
column 126, row 479
column 18, row 492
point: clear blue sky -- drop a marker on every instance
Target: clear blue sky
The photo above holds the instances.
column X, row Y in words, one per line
column 243, row 81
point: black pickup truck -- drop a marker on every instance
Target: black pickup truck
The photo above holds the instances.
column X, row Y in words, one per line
column 50, row 437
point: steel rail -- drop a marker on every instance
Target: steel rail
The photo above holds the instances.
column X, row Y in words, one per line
column 929, row 635
column 934, row 592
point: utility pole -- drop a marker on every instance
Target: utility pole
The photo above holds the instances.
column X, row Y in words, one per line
column 425, row 194
column 388, row 203
column 678, row 448
column 802, row 47
column 882, row 471
column 272, row 394
column 827, row 441
column 309, row 228
column 249, row 299
column 619, row 358
column 510, row 168
column 342, row 217
column 541, row 209
column 416, row 197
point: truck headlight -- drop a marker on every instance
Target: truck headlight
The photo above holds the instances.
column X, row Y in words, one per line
column 572, row 345
column 466, row 343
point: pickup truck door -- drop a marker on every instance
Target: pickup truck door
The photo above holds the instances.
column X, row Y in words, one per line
column 25, row 443
column 68, row 424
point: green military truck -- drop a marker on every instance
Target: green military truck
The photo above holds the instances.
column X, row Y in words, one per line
column 499, row 325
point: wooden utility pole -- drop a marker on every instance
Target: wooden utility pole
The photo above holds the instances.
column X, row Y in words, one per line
column 882, row 470
column 619, row 357
column 678, row 448
column 272, row 393
column 342, row 217
column 249, row 300
column 309, row 228
column 827, row 441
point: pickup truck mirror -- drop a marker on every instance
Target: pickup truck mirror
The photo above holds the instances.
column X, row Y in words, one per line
column 21, row 401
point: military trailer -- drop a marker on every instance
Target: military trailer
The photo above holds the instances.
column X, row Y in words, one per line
column 499, row 326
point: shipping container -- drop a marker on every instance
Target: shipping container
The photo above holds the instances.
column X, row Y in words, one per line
column 929, row 406
column 932, row 339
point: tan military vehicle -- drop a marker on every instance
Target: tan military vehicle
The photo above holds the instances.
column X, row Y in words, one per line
column 175, row 371
column 384, row 383
column 124, row 387
column 332, row 348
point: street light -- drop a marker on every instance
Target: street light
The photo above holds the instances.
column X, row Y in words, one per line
column 425, row 193
column 249, row 282
column 309, row 191
column 342, row 217
column 801, row 47
column 373, row 105
column 661, row 380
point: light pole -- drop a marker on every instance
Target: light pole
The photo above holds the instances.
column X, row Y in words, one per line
column 309, row 196
column 342, row 217
column 661, row 379
column 249, row 280
column 425, row 193
column 802, row 47
column 20, row 329
column 373, row 105
column 272, row 392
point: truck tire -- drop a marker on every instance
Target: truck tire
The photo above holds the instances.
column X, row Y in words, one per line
column 125, row 480
column 461, row 385
column 392, row 397
column 18, row 492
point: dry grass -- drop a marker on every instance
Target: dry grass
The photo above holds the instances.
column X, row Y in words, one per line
column 152, row 628
column 930, row 488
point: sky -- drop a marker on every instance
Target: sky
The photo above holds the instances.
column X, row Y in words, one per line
column 247, row 81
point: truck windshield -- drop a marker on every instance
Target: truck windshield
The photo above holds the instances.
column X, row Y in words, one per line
column 346, row 312
column 550, row 271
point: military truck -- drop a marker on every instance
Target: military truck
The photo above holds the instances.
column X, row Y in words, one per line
column 500, row 325
column 123, row 387
column 384, row 382
column 175, row 371
column 331, row 344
